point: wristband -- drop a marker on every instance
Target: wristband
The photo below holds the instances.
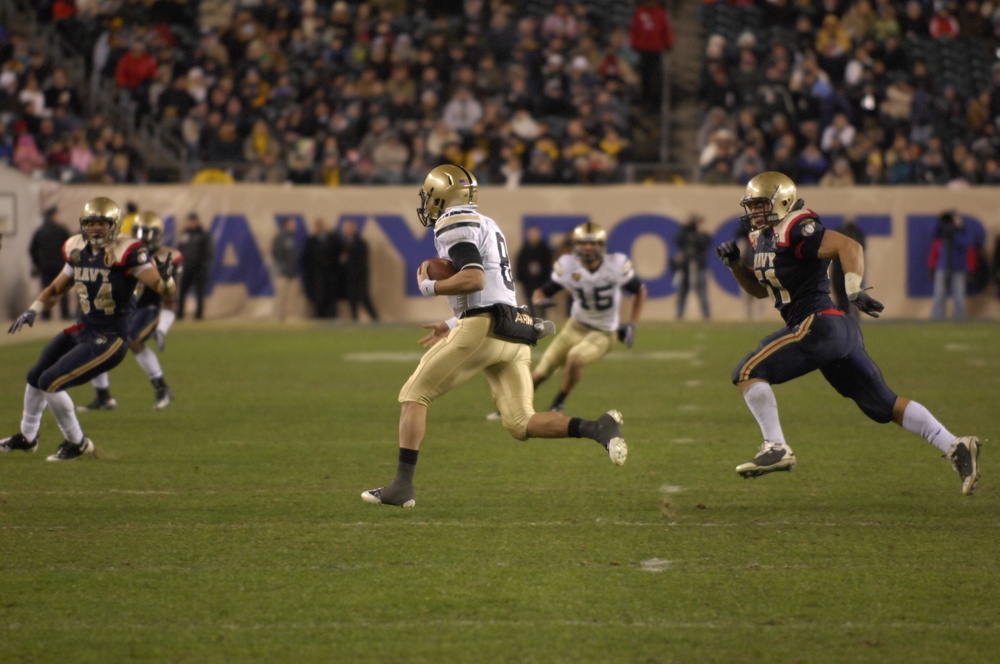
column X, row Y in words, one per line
column 852, row 282
column 451, row 322
column 427, row 287
column 37, row 306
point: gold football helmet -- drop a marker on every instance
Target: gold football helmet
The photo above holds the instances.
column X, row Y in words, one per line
column 96, row 210
column 778, row 194
column 446, row 186
column 590, row 242
column 148, row 227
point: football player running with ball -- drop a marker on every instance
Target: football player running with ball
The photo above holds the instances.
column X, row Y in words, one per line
column 792, row 251
column 104, row 270
column 488, row 334
column 150, row 319
column 595, row 280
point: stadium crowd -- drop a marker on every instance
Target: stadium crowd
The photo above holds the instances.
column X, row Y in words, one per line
column 323, row 91
column 838, row 92
column 832, row 92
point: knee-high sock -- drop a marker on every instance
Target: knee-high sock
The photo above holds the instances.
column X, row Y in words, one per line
column 31, row 417
column 150, row 363
column 62, row 407
column 101, row 382
column 919, row 420
column 760, row 399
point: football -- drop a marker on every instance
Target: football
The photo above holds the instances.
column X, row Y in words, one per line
column 440, row 268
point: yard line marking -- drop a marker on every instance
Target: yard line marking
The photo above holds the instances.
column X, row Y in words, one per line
column 756, row 626
column 410, row 356
column 655, row 565
column 396, row 524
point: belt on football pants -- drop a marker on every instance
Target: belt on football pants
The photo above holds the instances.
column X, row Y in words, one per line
column 476, row 312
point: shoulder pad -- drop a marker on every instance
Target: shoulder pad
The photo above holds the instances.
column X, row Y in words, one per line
column 123, row 246
column 456, row 216
column 616, row 260
column 462, row 210
column 784, row 229
column 76, row 243
column 565, row 263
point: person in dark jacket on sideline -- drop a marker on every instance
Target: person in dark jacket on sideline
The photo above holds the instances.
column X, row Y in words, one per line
column 952, row 262
column 47, row 257
column 354, row 270
column 195, row 244
column 534, row 264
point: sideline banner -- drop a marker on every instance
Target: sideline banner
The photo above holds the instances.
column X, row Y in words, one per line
column 641, row 220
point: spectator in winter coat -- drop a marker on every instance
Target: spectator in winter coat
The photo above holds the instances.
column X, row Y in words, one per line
column 952, row 261
column 652, row 35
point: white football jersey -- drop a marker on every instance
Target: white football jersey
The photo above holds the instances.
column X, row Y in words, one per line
column 596, row 295
column 465, row 224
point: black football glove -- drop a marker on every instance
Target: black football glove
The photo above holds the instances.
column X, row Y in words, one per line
column 27, row 318
column 728, row 253
column 165, row 268
column 626, row 334
column 866, row 303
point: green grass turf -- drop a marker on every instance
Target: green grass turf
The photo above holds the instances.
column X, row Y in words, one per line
column 229, row 527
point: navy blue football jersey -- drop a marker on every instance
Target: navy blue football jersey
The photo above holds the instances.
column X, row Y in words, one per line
column 786, row 262
column 105, row 281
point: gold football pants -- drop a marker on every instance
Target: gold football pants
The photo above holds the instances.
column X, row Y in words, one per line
column 575, row 340
column 470, row 348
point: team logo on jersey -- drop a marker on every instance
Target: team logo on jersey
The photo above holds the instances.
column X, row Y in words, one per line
column 809, row 229
column 100, row 341
column 75, row 256
column 576, row 276
column 141, row 256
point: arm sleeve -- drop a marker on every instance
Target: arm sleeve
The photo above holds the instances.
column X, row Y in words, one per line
column 465, row 254
column 551, row 288
column 806, row 236
column 633, row 285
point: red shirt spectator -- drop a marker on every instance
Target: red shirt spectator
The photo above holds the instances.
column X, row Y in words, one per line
column 135, row 67
column 63, row 9
column 651, row 30
column 942, row 23
column 652, row 35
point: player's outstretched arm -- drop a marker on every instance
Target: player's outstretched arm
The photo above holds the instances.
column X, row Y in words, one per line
column 729, row 254
column 626, row 332
column 151, row 279
column 837, row 246
column 46, row 300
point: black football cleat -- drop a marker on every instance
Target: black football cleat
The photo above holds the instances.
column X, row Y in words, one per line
column 387, row 496
column 19, row 443
column 99, row 404
column 964, row 457
column 69, row 451
column 772, row 457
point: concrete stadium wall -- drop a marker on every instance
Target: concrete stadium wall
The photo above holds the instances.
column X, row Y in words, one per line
column 641, row 220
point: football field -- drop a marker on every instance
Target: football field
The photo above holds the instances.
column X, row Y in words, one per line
column 229, row 527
